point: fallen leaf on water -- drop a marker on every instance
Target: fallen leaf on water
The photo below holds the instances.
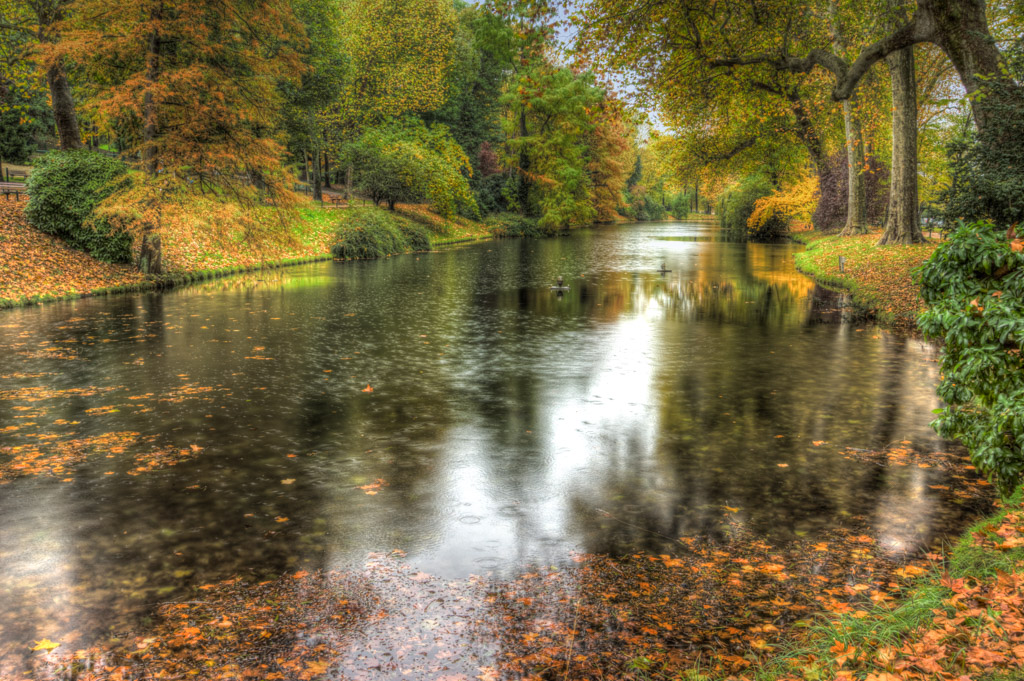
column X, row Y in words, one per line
column 281, row 519
column 287, row 481
column 818, row 443
column 783, row 465
column 368, row 389
column 45, row 644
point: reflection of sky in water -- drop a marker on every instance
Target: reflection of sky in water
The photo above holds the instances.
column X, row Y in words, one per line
column 510, row 425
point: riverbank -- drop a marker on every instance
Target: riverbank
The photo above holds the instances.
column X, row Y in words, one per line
column 881, row 280
column 36, row 267
column 964, row 617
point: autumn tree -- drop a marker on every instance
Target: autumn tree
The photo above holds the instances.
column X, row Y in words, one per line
column 611, row 157
column 192, row 83
column 408, row 161
column 472, row 108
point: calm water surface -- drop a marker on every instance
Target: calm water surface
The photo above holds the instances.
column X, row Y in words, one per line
column 508, row 425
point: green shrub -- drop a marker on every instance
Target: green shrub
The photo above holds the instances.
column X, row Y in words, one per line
column 987, row 168
column 974, row 287
column 64, row 189
column 513, row 225
column 737, row 203
column 373, row 233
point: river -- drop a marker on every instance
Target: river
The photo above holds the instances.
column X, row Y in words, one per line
column 170, row 440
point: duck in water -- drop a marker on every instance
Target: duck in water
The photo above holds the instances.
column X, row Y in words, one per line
column 663, row 270
column 560, row 285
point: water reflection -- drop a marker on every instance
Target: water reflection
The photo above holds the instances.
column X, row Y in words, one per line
column 507, row 424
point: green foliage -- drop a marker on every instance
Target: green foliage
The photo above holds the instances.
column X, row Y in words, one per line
column 512, row 225
column 737, row 203
column 642, row 206
column 547, row 140
column 18, row 133
column 680, row 203
column 987, row 168
column 65, row 188
column 408, row 162
column 373, row 233
column 974, row 286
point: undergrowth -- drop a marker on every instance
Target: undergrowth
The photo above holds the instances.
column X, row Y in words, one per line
column 375, row 233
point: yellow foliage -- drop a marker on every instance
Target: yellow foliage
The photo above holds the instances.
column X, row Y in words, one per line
column 797, row 203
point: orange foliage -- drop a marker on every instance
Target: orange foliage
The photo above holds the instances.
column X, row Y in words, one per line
column 797, row 203
column 190, row 86
column 608, row 165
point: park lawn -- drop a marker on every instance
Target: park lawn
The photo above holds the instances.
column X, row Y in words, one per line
column 881, row 279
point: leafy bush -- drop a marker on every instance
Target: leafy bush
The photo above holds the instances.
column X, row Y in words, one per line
column 489, row 192
column 407, row 161
column 64, row 190
column 833, row 188
column 772, row 214
column 737, row 204
column 987, row 168
column 373, row 233
column 513, row 225
column 974, row 286
column 642, row 207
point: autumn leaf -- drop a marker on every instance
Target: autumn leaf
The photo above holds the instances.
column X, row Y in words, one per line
column 46, row 644
column 368, row 389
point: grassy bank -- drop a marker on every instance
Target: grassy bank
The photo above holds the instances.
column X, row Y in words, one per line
column 36, row 267
column 881, row 280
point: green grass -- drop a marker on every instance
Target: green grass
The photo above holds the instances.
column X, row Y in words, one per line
column 880, row 279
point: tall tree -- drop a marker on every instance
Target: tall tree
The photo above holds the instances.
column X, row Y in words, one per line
column 34, row 24
column 195, row 82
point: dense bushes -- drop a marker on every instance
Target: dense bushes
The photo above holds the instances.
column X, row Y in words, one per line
column 641, row 206
column 987, row 169
column 737, row 204
column 64, row 189
column 373, row 233
column 513, row 225
column 407, row 161
column 974, row 287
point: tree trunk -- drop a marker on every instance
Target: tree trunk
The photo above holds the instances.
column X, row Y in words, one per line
column 961, row 30
column 524, row 166
column 151, row 250
column 902, row 225
column 696, row 196
column 63, row 107
column 806, row 132
column 327, row 172
column 318, row 191
column 856, row 201
column 348, row 184
column 855, row 197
